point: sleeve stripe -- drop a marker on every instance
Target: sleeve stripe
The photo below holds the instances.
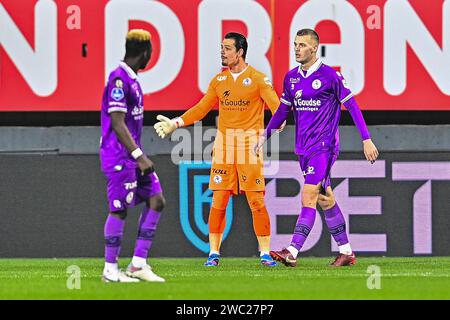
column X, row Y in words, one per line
column 285, row 102
column 117, row 109
column 347, row 98
column 114, row 103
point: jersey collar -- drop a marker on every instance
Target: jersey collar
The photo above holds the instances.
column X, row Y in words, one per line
column 311, row 70
column 237, row 75
column 127, row 68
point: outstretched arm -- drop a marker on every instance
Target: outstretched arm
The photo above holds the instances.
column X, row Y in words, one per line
column 166, row 126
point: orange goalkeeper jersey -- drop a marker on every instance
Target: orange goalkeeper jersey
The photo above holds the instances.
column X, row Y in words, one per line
column 241, row 101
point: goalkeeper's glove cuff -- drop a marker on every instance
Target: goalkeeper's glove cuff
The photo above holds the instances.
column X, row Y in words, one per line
column 178, row 121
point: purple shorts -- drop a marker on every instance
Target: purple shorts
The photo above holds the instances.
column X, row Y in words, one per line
column 316, row 167
column 127, row 188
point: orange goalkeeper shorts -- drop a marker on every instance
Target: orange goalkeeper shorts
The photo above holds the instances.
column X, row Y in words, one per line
column 237, row 169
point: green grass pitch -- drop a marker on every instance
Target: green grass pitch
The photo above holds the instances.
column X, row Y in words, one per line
column 235, row 278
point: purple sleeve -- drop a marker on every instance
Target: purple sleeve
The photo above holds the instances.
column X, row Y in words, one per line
column 116, row 95
column 357, row 117
column 345, row 96
column 277, row 119
column 282, row 112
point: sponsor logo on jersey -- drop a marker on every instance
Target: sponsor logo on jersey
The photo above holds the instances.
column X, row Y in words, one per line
column 130, row 185
column 305, row 105
column 294, row 80
column 344, row 83
column 316, row 84
column 247, row 81
column 267, row 81
column 226, row 94
column 221, row 78
column 219, row 171
column 137, row 110
column 235, row 103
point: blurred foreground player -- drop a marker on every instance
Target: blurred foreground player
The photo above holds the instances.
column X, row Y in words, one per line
column 315, row 92
column 241, row 92
column 130, row 174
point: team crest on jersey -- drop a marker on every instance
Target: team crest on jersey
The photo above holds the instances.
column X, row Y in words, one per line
column 217, row 179
column 247, row 81
column 298, row 94
column 221, row 78
column 316, row 84
column 130, row 197
column 117, row 94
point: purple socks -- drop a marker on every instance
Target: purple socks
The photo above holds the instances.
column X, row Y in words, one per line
column 336, row 224
column 147, row 227
column 113, row 238
column 303, row 227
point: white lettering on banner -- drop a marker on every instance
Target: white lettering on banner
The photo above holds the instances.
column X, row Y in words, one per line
column 34, row 63
column 402, row 27
column 211, row 15
column 349, row 54
column 422, row 204
column 47, row 54
column 288, row 206
column 359, row 205
column 117, row 15
column 349, row 205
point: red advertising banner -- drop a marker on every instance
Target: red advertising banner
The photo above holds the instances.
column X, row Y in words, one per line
column 55, row 55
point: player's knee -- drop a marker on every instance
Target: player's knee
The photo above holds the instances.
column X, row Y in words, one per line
column 220, row 199
column 310, row 197
column 255, row 200
column 261, row 220
column 157, row 203
column 122, row 215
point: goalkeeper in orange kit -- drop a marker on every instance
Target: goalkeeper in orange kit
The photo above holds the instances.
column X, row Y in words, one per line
column 241, row 92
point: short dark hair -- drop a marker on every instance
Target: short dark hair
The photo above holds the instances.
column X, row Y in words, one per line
column 240, row 42
column 138, row 41
column 309, row 32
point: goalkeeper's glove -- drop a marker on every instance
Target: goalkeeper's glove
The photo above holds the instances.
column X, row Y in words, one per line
column 166, row 126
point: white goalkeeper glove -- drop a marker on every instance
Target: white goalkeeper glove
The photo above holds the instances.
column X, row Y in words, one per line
column 166, row 126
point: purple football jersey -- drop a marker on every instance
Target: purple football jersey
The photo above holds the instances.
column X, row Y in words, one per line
column 121, row 94
column 315, row 97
